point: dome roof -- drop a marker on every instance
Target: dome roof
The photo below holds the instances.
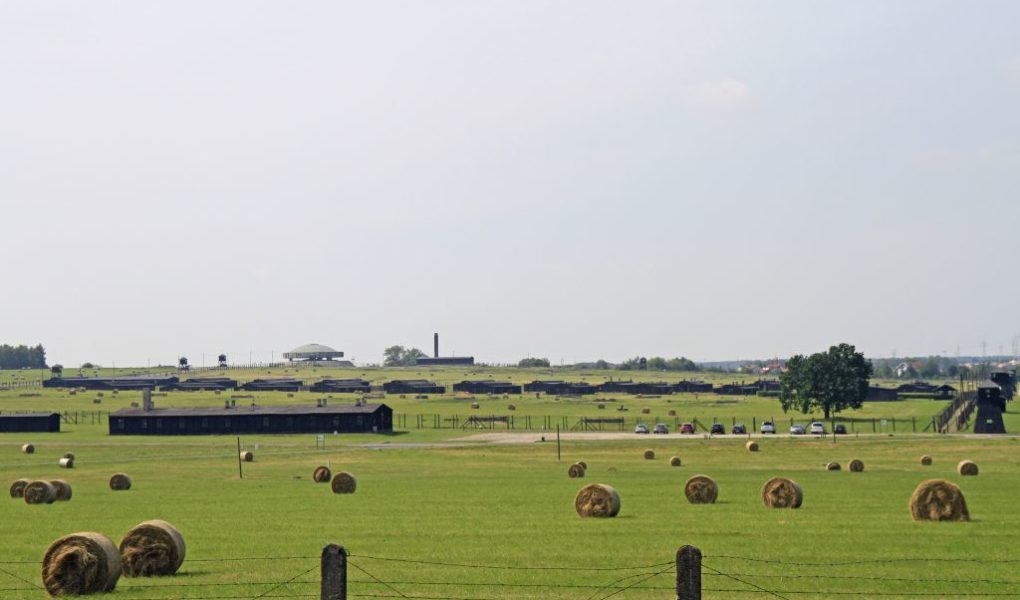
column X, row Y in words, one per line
column 313, row 352
column 311, row 349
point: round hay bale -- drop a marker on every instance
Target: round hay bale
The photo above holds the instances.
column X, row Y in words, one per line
column 247, row 456
column 120, row 482
column 672, row 413
column 701, row 489
column 646, row 411
column 780, row 492
column 322, row 475
column 344, row 483
column 649, row 454
column 40, row 492
column 18, row 488
column 601, row 406
column 575, row 471
column 938, row 500
column 152, row 547
column 751, row 446
column 926, row 460
column 63, row 489
column 66, row 463
column 967, row 467
column 675, row 461
column 833, row 466
column 81, row 563
column 511, row 407
column 474, row 405
column 28, row 449
column 597, row 500
column 69, row 455
column 855, row 466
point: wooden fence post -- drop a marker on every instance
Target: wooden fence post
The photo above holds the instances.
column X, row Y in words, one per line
column 334, row 573
column 688, row 573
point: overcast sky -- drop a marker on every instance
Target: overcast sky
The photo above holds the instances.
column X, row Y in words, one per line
column 573, row 180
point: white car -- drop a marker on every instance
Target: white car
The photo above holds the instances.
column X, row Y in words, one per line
column 768, row 427
column 817, row 428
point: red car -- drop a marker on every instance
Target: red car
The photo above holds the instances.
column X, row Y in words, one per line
column 687, row 428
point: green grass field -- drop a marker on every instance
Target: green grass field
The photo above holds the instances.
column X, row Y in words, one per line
column 443, row 496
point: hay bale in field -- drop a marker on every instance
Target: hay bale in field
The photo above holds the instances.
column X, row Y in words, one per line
column 134, row 405
column 120, row 482
column 28, row 448
column 72, row 393
column 856, row 465
column 475, row 405
column 511, row 407
column 967, row 467
column 344, row 483
column 780, row 492
column 66, row 463
column 701, row 489
column 675, row 461
column 63, row 489
column 601, row 406
column 39, row 492
column 751, row 446
column 646, row 411
column 926, row 460
column 322, row 475
column 290, row 395
column 597, row 500
column 97, row 401
column 938, row 500
column 833, row 466
column 672, row 413
column 247, row 456
column 575, row 471
column 68, row 455
column 583, row 464
column 152, row 547
column 79, row 564
column 18, row 488
column 649, row 454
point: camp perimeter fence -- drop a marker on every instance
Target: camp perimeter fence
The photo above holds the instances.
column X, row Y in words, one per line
column 337, row 574
column 406, row 421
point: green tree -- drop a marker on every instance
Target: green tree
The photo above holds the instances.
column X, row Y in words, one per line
column 931, row 367
column 533, row 362
column 831, row 381
column 398, row 356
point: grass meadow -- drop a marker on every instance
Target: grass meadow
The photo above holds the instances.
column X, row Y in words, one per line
column 436, row 509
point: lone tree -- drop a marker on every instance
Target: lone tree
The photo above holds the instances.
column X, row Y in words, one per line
column 831, row 381
column 398, row 356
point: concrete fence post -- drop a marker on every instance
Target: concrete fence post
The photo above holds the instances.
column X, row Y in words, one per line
column 334, row 573
column 688, row 573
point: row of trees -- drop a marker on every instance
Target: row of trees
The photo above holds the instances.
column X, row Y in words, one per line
column 22, row 357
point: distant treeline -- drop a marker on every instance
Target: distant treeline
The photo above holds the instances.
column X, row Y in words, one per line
column 638, row 363
column 22, row 357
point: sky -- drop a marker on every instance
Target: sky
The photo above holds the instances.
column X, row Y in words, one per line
column 565, row 179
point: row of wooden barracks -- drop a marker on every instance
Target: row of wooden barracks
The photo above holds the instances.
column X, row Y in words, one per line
column 487, row 386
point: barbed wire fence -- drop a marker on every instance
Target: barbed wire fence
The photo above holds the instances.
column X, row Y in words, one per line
column 420, row 579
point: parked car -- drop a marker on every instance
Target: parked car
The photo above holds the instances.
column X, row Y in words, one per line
column 797, row 429
column 739, row 428
column 768, row 427
column 660, row 428
column 839, row 428
column 641, row 428
column 717, row 428
column 687, row 428
column 817, row 428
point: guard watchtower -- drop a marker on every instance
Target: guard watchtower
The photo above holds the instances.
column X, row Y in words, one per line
column 1007, row 381
column 990, row 406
